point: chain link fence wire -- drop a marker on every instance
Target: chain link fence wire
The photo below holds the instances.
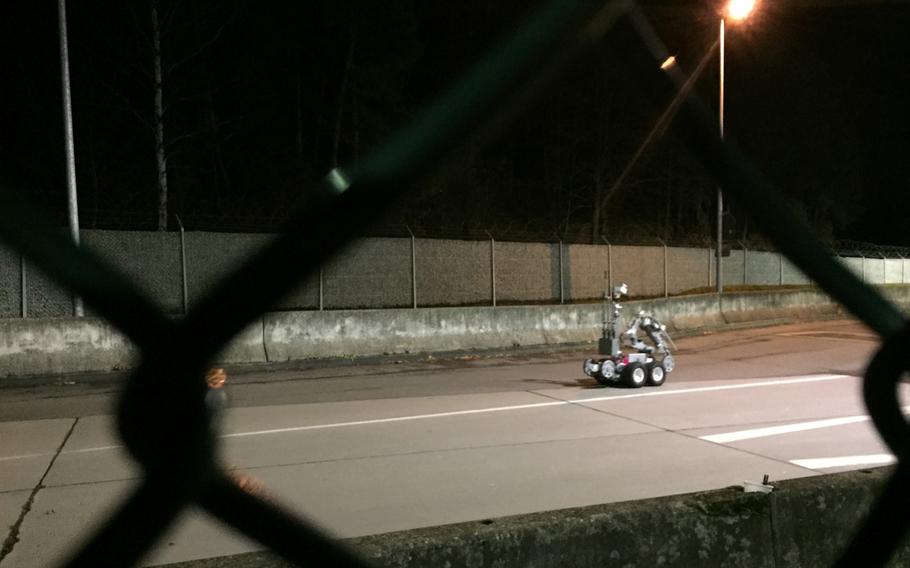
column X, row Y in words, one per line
column 176, row 270
column 135, row 252
column 161, row 415
column 10, row 284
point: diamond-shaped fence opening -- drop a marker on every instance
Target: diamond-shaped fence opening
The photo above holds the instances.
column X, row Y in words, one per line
column 173, row 442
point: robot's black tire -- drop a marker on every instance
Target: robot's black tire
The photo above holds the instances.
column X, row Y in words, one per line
column 657, row 375
column 603, row 381
column 635, row 375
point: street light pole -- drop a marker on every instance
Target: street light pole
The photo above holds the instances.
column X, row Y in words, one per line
column 72, row 201
column 736, row 10
column 718, row 279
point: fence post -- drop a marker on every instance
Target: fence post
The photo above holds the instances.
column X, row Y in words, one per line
column 492, row 268
column 902, row 266
column 780, row 262
column 864, row 265
column 609, row 266
column 710, row 257
column 24, row 285
column 321, row 290
column 745, row 265
column 884, row 268
column 413, row 268
column 666, row 270
column 562, row 292
column 186, row 298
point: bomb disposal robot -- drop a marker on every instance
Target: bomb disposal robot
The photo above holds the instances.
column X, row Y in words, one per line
column 647, row 365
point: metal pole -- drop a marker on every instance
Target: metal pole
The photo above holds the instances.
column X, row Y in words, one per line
column 72, row 201
column 413, row 268
column 609, row 266
column 562, row 294
column 864, row 266
column 666, row 270
column 186, row 295
column 780, row 264
column 321, row 290
column 710, row 272
column 902, row 266
column 720, row 194
column 884, row 268
column 24, row 285
column 492, row 268
column 742, row 244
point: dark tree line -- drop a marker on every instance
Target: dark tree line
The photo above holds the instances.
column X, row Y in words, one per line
column 224, row 113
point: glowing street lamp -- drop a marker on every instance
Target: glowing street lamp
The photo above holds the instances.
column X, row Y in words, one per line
column 739, row 9
column 736, row 10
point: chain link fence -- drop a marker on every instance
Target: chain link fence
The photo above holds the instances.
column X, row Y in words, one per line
column 162, row 417
column 177, row 269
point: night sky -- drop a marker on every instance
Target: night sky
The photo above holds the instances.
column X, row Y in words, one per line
column 262, row 99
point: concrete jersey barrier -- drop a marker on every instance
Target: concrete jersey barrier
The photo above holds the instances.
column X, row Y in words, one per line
column 68, row 345
column 803, row 523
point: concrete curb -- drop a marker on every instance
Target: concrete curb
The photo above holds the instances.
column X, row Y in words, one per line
column 803, row 523
column 56, row 346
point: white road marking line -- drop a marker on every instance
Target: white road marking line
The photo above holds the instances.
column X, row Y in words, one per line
column 397, row 419
column 728, row 437
column 775, row 382
column 845, row 461
column 764, row 383
column 753, row 433
column 848, row 336
column 98, row 449
column 668, row 392
column 25, row 456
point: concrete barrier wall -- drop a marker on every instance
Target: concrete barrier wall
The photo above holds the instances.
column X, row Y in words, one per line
column 344, row 333
column 803, row 523
column 37, row 346
column 65, row 345
column 70, row 345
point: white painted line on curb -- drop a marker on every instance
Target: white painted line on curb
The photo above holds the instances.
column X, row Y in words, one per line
column 728, row 437
column 845, row 461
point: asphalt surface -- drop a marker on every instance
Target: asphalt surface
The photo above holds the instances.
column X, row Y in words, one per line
column 375, row 446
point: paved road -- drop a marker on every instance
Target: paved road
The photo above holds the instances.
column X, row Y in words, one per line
column 384, row 446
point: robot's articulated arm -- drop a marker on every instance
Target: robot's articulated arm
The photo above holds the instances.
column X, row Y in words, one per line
column 655, row 330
